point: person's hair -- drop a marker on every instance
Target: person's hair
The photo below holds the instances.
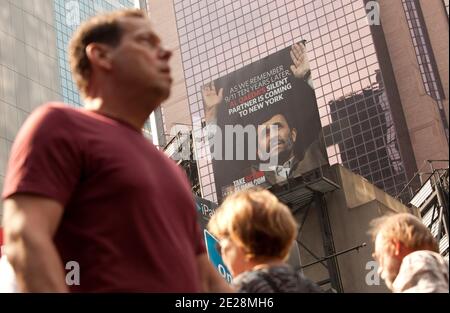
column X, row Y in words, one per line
column 104, row 28
column 406, row 228
column 257, row 221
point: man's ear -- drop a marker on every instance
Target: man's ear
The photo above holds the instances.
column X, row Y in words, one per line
column 99, row 55
column 397, row 247
column 293, row 134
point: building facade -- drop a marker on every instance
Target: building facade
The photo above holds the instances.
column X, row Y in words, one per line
column 380, row 72
column 69, row 15
column 28, row 66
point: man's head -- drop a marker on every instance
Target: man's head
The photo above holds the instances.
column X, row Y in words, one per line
column 277, row 138
column 396, row 236
column 120, row 51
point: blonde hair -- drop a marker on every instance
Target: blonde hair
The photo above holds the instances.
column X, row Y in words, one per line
column 256, row 220
column 104, row 28
column 406, row 228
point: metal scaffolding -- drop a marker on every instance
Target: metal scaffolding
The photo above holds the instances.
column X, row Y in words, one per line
column 180, row 149
column 432, row 201
column 305, row 194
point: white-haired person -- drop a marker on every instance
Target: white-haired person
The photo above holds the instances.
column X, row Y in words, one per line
column 407, row 255
column 256, row 232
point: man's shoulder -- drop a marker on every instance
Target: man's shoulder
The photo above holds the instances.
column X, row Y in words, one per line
column 312, row 159
column 424, row 258
column 423, row 255
column 49, row 121
column 422, row 271
column 54, row 112
column 59, row 107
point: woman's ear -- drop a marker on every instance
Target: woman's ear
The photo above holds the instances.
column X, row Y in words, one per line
column 248, row 257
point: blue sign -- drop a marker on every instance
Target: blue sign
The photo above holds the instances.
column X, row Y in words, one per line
column 214, row 256
column 205, row 209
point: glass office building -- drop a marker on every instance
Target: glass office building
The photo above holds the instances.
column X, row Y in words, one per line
column 68, row 16
column 219, row 37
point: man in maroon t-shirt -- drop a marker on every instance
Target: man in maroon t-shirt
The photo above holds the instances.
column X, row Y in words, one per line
column 86, row 192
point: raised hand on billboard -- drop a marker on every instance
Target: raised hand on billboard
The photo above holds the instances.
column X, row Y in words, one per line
column 212, row 99
column 300, row 68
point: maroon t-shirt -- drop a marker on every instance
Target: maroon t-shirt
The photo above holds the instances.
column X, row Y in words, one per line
column 129, row 217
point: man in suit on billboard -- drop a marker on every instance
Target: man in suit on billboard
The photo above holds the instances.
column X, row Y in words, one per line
column 280, row 137
column 293, row 111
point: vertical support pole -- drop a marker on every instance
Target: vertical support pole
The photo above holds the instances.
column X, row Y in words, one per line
column 328, row 243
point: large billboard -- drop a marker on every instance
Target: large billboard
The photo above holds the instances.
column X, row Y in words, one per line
column 263, row 123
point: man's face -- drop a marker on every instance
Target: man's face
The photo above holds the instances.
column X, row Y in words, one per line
column 279, row 142
column 139, row 62
column 388, row 263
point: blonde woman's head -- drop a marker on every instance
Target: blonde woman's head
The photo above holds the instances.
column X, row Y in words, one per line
column 255, row 222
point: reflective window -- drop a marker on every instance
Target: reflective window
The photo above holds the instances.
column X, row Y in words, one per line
column 68, row 16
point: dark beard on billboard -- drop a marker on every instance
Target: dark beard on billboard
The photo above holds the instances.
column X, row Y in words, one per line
column 286, row 154
column 283, row 156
